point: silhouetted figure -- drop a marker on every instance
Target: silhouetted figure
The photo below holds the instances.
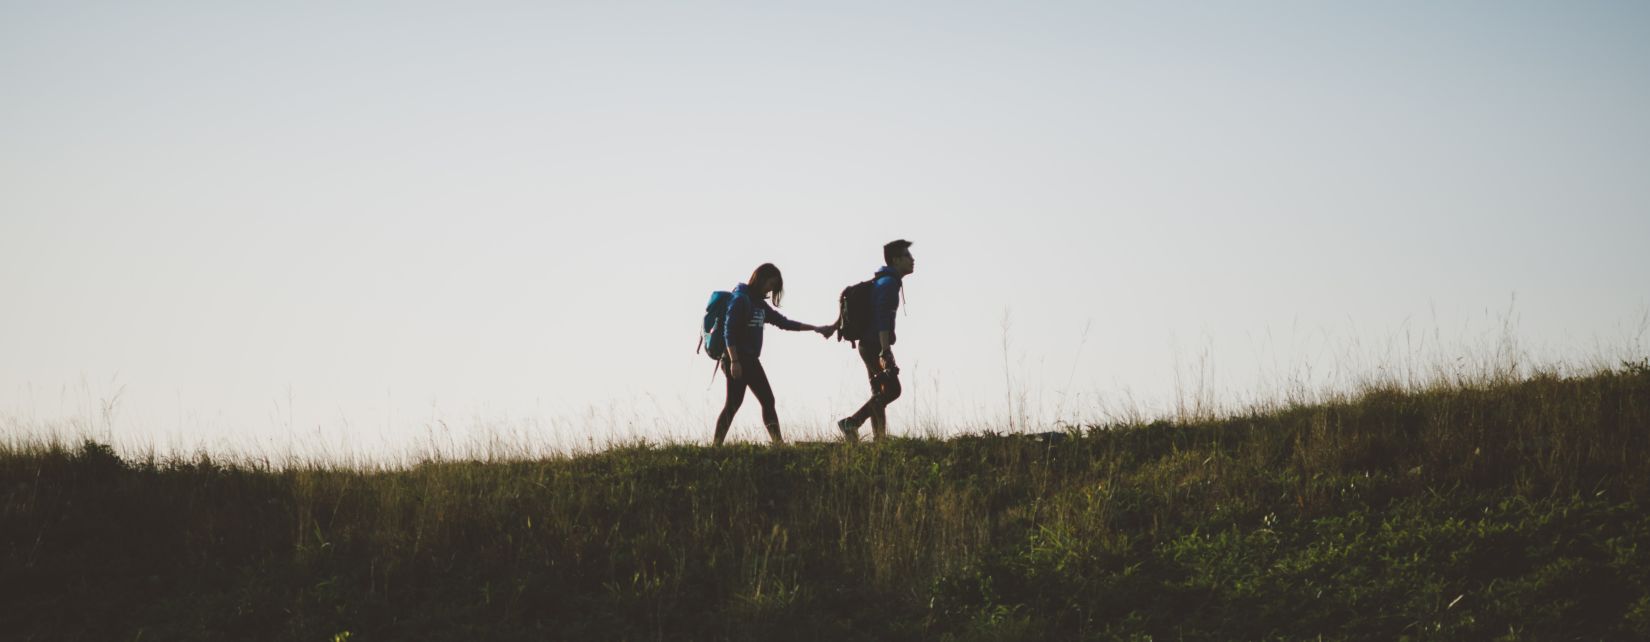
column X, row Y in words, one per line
column 747, row 312
column 876, row 342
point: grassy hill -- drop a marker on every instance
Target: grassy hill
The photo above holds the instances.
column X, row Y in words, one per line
column 1504, row 510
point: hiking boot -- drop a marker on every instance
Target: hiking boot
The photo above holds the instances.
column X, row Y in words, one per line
column 849, row 428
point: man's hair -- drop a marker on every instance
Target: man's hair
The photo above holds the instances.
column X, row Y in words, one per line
column 895, row 249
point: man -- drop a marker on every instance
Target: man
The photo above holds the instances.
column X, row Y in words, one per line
column 876, row 349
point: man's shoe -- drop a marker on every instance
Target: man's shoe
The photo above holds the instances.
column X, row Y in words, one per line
column 849, row 428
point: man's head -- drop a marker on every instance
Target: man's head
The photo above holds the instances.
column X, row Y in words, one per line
column 898, row 256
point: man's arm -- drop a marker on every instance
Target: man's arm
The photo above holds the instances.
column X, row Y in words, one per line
column 887, row 351
column 884, row 302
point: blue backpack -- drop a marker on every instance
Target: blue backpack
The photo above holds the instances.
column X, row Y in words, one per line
column 711, row 339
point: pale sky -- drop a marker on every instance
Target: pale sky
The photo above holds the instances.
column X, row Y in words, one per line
column 367, row 225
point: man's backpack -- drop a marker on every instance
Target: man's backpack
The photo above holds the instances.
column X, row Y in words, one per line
column 711, row 339
column 854, row 314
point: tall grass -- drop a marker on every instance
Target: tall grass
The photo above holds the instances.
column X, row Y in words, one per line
column 1506, row 505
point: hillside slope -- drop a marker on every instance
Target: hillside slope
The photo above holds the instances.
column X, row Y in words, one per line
column 1507, row 511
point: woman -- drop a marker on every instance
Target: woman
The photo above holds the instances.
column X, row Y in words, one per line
column 747, row 313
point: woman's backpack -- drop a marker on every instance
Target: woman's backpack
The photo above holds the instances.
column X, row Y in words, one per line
column 711, row 339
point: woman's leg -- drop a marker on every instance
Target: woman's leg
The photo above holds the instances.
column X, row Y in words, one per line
column 736, row 396
column 757, row 378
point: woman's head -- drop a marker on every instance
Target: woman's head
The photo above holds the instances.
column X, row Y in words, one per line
column 767, row 280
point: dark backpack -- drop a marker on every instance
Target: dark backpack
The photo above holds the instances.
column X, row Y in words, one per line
column 854, row 312
column 711, row 339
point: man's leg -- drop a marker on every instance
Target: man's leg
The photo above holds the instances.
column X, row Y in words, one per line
column 867, row 410
column 884, row 389
column 887, row 390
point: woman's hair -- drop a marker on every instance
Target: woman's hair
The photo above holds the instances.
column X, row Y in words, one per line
column 767, row 271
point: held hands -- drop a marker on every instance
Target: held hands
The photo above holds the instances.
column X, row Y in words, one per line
column 825, row 330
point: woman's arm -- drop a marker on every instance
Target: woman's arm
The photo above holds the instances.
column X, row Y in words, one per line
column 780, row 321
column 734, row 371
column 733, row 330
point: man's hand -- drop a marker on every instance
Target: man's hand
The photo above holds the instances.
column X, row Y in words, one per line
column 734, row 371
column 886, row 360
column 825, row 330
